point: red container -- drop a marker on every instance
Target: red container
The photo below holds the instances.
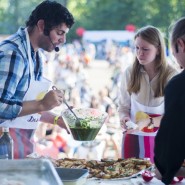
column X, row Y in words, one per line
column 147, row 176
column 177, row 179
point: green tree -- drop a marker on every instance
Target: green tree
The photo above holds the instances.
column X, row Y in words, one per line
column 98, row 14
column 115, row 15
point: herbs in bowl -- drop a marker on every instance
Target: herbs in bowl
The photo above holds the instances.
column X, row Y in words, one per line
column 91, row 121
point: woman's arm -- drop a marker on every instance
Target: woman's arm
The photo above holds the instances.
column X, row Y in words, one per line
column 124, row 97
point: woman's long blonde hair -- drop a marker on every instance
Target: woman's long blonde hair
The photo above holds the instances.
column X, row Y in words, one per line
column 154, row 37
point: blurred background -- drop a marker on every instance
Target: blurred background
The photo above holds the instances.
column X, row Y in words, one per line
column 88, row 67
column 98, row 14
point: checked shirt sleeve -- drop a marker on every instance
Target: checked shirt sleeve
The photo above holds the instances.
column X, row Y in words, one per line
column 13, row 84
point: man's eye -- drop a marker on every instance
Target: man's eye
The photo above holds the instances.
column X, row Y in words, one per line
column 145, row 49
column 61, row 33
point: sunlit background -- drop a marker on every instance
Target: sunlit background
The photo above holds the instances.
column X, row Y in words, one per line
column 89, row 66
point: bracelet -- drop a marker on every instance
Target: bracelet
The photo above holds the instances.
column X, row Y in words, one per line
column 56, row 120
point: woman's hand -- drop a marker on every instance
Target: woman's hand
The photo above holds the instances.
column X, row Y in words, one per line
column 124, row 126
column 123, row 122
column 139, row 126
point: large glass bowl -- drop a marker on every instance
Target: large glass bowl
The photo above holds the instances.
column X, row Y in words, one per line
column 91, row 120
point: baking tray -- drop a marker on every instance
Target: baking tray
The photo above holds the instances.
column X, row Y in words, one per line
column 72, row 176
column 28, row 172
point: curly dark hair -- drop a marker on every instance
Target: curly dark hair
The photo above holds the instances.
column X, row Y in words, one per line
column 52, row 13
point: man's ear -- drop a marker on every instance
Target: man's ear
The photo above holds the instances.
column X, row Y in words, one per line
column 41, row 25
column 181, row 44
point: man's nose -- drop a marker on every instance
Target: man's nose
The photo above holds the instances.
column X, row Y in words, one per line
column 62, row 40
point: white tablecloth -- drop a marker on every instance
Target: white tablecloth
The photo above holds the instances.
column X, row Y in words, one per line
column 133, row 181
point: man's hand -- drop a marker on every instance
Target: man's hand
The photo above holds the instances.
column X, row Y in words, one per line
column 62, row 124
column 52, row 99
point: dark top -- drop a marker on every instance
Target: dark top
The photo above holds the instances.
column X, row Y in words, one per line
column 170, row 140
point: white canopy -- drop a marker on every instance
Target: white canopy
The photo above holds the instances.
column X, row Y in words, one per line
column 96, row 36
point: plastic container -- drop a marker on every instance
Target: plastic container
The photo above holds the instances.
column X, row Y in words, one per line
column 71, row 176
column 28, row 172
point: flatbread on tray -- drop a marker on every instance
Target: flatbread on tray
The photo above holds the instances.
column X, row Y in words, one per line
column 107, row 169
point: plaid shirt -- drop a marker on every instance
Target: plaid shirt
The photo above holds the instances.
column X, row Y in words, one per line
column 15, row 74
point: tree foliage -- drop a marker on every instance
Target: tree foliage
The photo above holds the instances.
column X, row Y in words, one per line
column 98, row 14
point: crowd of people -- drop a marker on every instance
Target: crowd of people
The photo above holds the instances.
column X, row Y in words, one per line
column 67, row 71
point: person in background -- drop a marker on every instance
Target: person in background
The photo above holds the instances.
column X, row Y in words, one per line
column 170, row 140
column 142, row 90
column 25, row 99
column 50, row 140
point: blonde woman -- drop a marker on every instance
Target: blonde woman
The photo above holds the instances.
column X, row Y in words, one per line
column 142, row 90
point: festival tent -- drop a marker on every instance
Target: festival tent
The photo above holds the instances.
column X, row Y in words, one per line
column 115, row 35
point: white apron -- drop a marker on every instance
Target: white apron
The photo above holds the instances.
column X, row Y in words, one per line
column 144, row 150
column 36, row 91
column 136, row 106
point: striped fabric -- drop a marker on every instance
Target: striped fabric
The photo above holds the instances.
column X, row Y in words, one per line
column 138, row 146
column 22, row 144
